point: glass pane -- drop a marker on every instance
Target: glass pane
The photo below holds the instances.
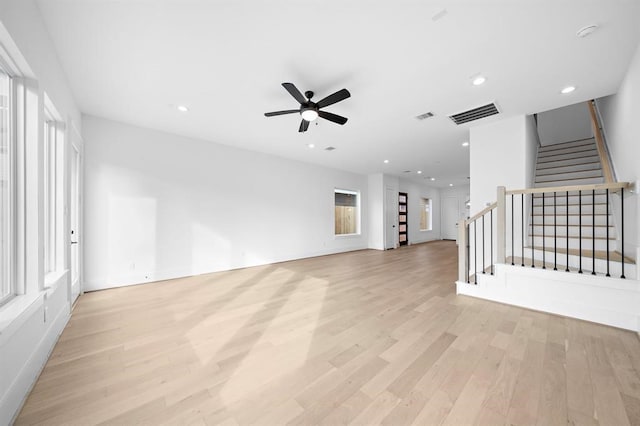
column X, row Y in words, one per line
column 5, row 184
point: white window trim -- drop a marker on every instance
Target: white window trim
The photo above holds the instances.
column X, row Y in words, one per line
column 358, row 209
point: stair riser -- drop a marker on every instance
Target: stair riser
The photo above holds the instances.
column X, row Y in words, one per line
column 569, row 175
column 556, row 157
column 560, row 210
column 573, row 220
column 567, row 169
column 574, row 231
column 567, row 162
column 561, row 199
column 570, row 182
column 577, row 150
column 574, row 243
column 615, row 268
column 581, row 142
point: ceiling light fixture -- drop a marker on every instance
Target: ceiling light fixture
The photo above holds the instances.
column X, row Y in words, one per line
column 465, row 143
column 386, row 161
column 432, row 179
column 568, row 89
column 182, row 108
column 478, row 80
column 419, row 172
column 450, row 184
column 311, row 146
column 585, row 31
column 309, row 114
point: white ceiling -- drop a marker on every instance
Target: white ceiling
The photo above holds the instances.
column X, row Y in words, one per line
column 135, row 60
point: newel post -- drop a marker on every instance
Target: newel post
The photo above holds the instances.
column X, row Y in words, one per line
column 462, row 250
column 501, row 219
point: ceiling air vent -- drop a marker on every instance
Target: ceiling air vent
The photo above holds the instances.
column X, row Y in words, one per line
column 424, row 116
column 329, row 148
column 475, row 114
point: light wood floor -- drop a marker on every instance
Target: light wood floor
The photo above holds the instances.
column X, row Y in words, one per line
column 364, row 338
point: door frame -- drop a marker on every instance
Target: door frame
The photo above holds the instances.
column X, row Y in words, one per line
column 75, row 148
column 444, row 214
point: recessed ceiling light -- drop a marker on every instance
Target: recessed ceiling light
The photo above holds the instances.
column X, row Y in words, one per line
column 478, row 80
column 386, row 161
column 465, row 143
column 311, row 146
column 432, row 179
column 182, row 108
column 568, row 89
column 450, row 184
column 585, row 31
column 419, row 172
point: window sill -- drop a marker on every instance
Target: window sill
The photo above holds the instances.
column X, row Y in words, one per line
column 340, row 236
column 16, row 312
column 52, row 279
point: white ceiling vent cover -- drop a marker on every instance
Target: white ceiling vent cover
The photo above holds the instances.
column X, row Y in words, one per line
column 475, row 114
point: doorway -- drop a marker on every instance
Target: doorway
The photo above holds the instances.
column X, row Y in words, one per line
column 449, row 214
column 403, row 234
column 74, row 222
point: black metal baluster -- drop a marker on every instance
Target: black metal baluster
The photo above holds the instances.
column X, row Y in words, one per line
column 544, row 247
column 512, row 234
column 468, row 225
column 567, row 233
column 555, row 234
column 579, row 229
column 607, row 224
column 491, row 218
column 475, row 252
column 483, row 245
column 533, row 238
column 593, row 231
column 622, row 229
column 522, row 227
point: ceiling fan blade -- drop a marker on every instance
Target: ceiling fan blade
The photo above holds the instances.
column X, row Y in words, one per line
column 293, row 90
column 304, row 125
column 332, row 117
column 289, row 111
column 340, row 95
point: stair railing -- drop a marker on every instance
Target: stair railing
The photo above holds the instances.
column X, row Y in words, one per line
column 603, row 153
column 565, row 238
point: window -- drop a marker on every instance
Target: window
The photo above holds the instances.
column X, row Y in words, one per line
column 52, row 193
column 7, row 286
column 425, row 214
column 347, row 212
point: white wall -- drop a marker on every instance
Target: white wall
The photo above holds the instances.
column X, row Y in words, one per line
column 30, row 323
column 621, row 125
column 415, row 191
column 161, row 206
column 566, row 124
column 499, row 156
column 376, row 211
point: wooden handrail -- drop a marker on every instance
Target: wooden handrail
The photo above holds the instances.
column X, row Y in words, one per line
column 481, row 213
column 597, row 186
column 602, row 149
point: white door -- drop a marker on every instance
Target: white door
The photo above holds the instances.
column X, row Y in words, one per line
column 74, row 217
column 449, row 216
column 390, row 218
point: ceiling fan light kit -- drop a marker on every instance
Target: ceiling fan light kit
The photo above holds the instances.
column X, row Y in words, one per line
column 310, row 111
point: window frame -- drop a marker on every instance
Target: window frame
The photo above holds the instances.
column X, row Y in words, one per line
column 8, row 281
column 53, row 193
column 424, row 203
column 358, row 211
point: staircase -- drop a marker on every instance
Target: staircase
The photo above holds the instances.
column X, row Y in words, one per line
column 590, row 234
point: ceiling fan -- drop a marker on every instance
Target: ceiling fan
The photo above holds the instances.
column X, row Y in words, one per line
column 311, row 110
